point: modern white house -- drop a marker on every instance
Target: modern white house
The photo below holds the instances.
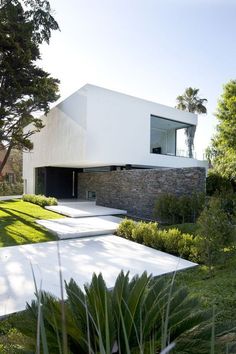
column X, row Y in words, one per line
column 99, row 130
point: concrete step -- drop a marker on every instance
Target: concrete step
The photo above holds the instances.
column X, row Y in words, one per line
column 83, row 209
column 68, row 228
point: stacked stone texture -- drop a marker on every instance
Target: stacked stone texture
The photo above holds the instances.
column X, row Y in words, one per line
column 137, row 190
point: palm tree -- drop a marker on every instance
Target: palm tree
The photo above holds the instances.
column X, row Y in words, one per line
column 191, row 102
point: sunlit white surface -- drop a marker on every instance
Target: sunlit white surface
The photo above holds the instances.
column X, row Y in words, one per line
column 80, row 258
column 10, row 197
column 78, row 209
column 81, row 227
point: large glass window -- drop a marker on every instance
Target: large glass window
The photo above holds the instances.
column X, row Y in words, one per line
column 40, row 180
column 168, row 137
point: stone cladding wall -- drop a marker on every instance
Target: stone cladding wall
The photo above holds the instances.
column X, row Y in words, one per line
column 137, row 190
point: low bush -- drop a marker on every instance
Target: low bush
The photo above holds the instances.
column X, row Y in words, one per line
column 179, row 209
column 126, row 227
column 186, row 228
column 170, row 240
column 39, row 200
column 144, row 230
column 7, row 188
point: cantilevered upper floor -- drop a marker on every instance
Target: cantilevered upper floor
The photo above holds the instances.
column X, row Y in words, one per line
column 99, row 127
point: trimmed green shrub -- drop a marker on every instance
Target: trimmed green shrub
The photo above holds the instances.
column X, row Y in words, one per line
column 7, row 188
column 179, row 209
column 170, row 241
column 126, row 228
column 143, row 229
column 39, row 199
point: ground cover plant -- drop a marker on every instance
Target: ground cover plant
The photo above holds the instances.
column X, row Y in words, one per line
column 139, row 315
column 17, row 223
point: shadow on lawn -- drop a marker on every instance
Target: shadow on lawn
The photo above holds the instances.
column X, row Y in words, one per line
column 15, row 235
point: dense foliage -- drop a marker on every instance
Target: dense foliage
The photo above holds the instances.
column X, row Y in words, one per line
column 190, row 101
column 217, row 232
column 7, row 188
column 223, row 148
column 171, row 240
column 179, row 209
column 39, row 199
column 25, row 88
column 141, row 315
column 204, row 242
column 215, row 182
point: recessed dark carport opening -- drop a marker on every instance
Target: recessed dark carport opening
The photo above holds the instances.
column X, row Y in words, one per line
column 58, row 182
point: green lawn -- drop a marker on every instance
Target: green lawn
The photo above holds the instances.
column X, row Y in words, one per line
column 17, row 223
column 219, row 291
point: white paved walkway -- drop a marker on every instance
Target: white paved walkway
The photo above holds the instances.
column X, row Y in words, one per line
column 9, row 197
column 77, row 209
column 80, row 259
column 81, row 227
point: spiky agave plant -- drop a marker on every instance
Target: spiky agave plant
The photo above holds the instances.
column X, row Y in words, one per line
column 141, row 315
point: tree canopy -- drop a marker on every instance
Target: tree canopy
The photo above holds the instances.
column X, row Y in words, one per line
column 191, row 102
column 223, row 146
column 25, row 88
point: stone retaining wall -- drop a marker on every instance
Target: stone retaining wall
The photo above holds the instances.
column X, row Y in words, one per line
column 137, row 190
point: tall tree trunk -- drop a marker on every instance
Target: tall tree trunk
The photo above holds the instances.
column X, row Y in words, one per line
column 190, row 133
column 3, row 163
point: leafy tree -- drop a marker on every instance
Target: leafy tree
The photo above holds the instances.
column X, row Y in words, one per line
column 16, row 162
column 223, row 147
column 191, row 102
column 25, row 88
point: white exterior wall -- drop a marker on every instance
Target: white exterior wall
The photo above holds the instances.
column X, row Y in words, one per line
column 118, row 128
column 99, row 127
column 60, row 142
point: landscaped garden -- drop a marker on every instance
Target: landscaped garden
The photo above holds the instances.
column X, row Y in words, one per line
column 210, row 241
column 212, row 284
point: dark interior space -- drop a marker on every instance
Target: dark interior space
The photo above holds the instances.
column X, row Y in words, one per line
column 56, row 182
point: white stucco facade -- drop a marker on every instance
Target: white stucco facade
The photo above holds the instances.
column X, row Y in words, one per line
column 99, row 127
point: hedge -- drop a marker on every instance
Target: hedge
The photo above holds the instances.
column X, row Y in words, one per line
column 39, row 200
column 171, row 241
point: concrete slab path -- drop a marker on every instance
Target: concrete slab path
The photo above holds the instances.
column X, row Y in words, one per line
column 77, row 209
column 81, row 227
column 80, row 259
column 9, row 197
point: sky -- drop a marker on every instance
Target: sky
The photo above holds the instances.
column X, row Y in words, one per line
column 152, row 49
